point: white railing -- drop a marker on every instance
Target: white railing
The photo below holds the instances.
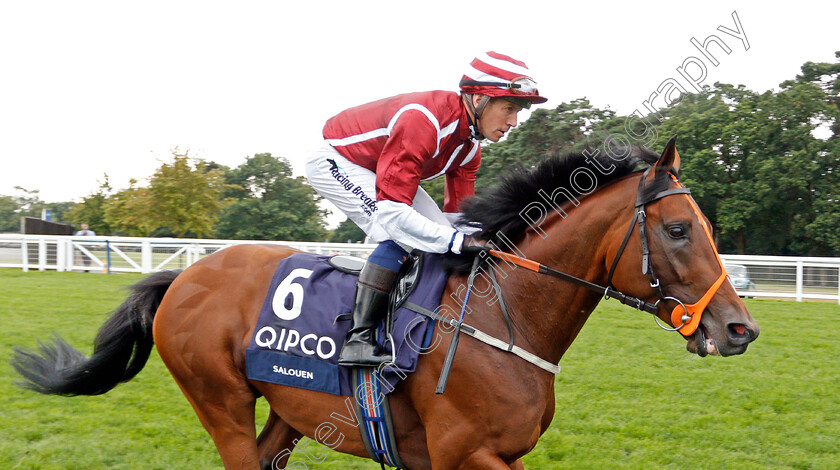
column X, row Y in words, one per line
column 778, row 277
column 785, row 277
column 131, row 254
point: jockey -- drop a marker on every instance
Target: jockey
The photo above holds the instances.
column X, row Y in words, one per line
column 375, row 155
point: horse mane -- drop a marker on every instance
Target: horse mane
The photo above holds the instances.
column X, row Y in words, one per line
column 498, row 209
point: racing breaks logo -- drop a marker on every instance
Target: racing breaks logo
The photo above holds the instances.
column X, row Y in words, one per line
column 368, row 204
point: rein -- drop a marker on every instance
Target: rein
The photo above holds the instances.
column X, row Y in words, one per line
column 607, row 291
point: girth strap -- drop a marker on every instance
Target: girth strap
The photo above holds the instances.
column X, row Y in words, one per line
column 374, row 414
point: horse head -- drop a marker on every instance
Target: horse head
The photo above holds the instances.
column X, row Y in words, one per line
column 681, row 269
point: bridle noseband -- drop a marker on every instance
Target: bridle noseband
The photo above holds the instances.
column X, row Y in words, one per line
column 686, row 316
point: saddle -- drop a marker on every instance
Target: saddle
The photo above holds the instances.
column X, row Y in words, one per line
column 407, row 279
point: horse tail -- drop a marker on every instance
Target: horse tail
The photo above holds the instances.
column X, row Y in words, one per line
column 121, row 348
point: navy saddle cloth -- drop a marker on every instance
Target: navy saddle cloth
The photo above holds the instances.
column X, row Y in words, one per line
column 303, row 323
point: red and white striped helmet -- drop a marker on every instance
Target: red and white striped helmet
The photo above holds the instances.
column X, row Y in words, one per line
column 497, row 75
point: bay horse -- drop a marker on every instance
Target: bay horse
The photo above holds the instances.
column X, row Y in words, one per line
column 496, row 406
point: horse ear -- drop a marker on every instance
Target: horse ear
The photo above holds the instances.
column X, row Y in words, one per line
column 670, row 158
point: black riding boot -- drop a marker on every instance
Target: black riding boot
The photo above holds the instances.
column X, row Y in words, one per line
column 372, row 289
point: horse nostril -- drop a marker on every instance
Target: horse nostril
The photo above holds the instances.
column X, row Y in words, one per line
column 740, row 332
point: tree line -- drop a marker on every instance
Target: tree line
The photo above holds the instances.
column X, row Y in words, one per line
column 762, row 166
column 189, row 197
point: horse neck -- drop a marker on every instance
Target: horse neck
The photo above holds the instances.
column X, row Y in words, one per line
column 549, row 312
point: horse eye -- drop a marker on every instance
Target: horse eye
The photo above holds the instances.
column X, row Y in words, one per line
column 676, row 231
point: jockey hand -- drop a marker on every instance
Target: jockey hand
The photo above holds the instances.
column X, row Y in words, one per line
column 473, row 246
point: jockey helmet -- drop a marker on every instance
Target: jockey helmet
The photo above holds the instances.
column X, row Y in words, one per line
column 497, row 75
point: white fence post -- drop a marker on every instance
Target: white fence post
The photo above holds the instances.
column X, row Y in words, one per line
column 60, row 255
column 800, row 280
column 194, row 253
column 71, row 257
column 146, row 257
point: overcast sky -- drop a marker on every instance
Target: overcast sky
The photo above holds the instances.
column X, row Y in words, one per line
column 89, row 88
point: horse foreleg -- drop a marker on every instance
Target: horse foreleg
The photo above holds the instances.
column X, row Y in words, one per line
column 518, row 465
column 276, row 442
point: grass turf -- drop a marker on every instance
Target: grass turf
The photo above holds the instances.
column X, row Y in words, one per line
column 629, row 395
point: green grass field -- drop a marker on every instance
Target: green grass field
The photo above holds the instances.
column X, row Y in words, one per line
column 629, row 396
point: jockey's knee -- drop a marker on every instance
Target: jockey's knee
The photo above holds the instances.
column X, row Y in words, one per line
column 389, row 255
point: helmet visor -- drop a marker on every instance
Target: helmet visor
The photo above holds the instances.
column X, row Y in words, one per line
column 521, row 102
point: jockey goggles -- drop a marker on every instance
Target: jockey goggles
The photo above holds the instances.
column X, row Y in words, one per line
column 519, row 85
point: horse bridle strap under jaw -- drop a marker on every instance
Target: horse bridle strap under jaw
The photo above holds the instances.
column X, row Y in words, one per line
column 640, row 218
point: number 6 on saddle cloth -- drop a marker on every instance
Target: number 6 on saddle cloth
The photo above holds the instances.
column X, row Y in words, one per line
column 303, row 322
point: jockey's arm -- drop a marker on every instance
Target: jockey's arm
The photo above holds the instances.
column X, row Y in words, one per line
column 413, row 141
column 460, row 184
column 407, row 226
